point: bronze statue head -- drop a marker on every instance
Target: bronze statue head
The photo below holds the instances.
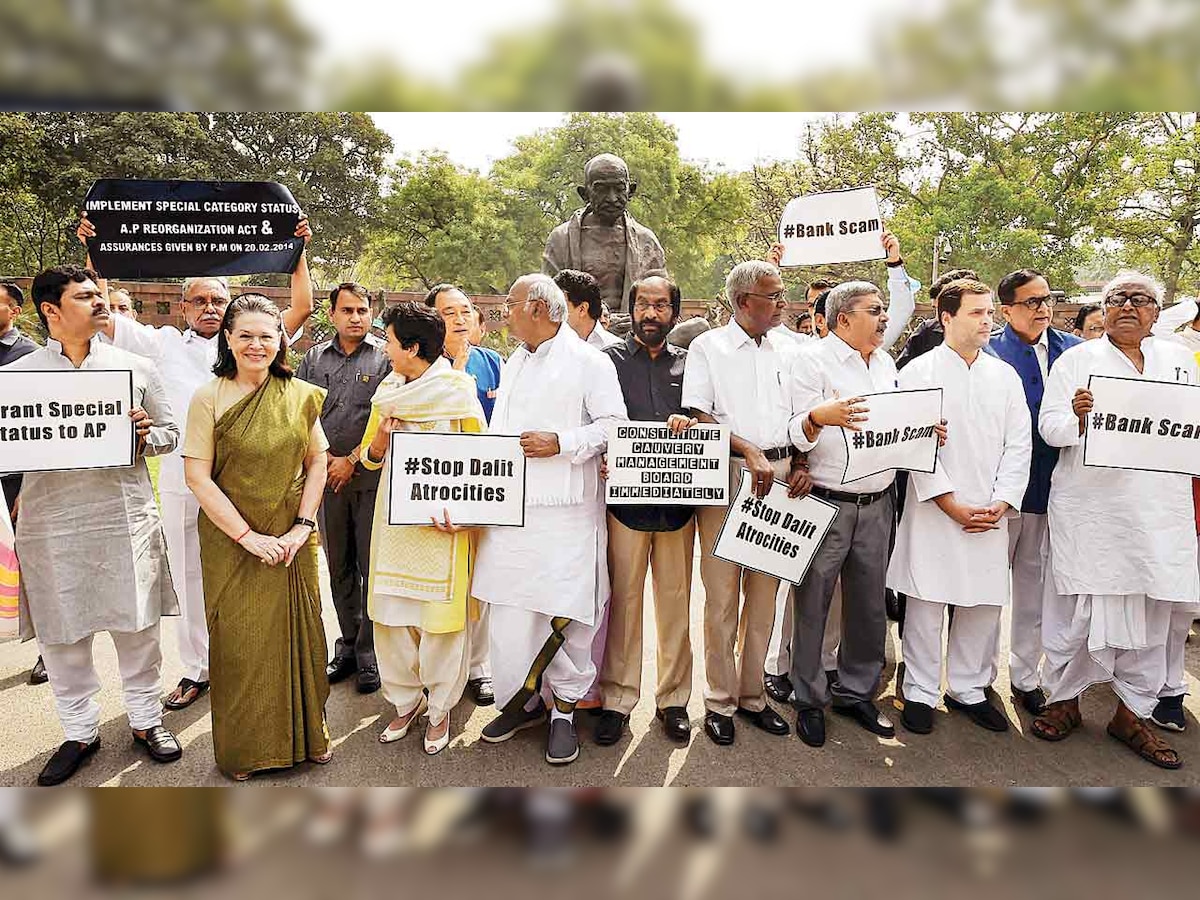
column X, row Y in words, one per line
column 606, row 188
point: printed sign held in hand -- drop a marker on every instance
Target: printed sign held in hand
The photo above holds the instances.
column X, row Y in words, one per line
column 649, row 465
column 1148, row 426
column 898, row 434
column 832, row 227
column 478, row 478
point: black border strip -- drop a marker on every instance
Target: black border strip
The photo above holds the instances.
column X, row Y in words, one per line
column 457, row 434
column 132, row 430
column 782, row 484
column 1088, row 429
column 846, row 435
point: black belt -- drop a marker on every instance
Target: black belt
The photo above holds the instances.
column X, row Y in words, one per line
column 775, row 454
column 856, row 499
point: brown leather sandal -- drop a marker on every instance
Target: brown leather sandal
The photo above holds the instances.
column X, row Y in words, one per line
column 1057, row 720
column 1138, row 737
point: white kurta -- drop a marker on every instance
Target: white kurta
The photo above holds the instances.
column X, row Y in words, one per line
column 985, row 460
column 1117, row 531
column 556, row 563
column 91, row 545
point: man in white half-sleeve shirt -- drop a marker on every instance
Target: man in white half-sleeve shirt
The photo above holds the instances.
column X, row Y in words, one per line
column 952, row 542
column 185, row 360
column 1123, row 548
column 736, row 375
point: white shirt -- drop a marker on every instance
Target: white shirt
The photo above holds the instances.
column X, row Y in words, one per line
column 822, row 369
column 901, row 305
column 185, row 361
column 1117, row 531
column 1042, row 351
column 741, row 383
column 784, row 332
column 602, row 337
column 1188, row 337
column 986, row 459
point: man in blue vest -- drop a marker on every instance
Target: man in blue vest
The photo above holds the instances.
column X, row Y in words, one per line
column 1030, row 346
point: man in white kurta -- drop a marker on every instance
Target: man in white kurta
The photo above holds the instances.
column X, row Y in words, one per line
column 185, row 360
column 1123, row 549
column 952, row 542
column 91, row 544
column 547, row 582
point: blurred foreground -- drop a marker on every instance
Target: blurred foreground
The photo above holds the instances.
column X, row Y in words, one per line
column 649, row 842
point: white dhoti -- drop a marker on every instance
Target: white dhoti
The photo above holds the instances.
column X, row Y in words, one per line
column 534, row 652
column 75, row 684
column 970, row 651
column 779, row 648
column 180, row 512
column 1182, row 616
column 478, row 659
column 1120, row 639
column 1029, row 557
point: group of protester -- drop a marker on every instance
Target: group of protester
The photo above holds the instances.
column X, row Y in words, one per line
column 547, row 618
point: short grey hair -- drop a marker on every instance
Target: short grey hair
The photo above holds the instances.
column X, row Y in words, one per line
column 1129, row 278
column 840, row 296
column 744, row 276
column 542, row 287
column 189, row 283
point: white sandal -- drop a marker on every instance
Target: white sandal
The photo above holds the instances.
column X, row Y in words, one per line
column 435, row 747
column 389, row 734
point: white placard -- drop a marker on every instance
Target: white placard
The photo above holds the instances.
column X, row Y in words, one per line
column 478, row 478
column 898, row 434
column 647, row 465
column 65, row 420
column 776, row 535
column 1148, row 426
column 832, row 227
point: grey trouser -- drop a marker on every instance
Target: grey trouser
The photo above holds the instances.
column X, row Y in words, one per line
column 345, row 520
column 856, row 549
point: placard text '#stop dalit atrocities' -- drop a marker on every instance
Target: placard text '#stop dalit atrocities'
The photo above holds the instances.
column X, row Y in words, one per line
column 476, row 479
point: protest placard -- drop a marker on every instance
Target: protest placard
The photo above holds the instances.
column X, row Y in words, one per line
column 775, row 535
column 177, row 229
column 897, row 434
column 1147, row 426
column 64, row 420
column 478, row 478
column 649, row 465
column 832, row 227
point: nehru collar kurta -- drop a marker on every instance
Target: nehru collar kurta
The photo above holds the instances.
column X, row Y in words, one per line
column 91, row 545
column 1117, row 531
column 985, row 460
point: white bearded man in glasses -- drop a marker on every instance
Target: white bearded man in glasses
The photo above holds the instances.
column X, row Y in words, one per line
column 1123, row 545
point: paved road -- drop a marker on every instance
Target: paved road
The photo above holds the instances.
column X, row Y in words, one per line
column 957, row 753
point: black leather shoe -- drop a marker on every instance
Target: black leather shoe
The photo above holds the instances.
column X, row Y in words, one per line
column 609, row 727
column 676, row 724
column 867, row 716
column 1033, row 702
column 481, row 692
column 341, row 668
column 719, row 728
column 368, row 679
column 66, row 762
column 982, row 714
column 766, row 719
column 831, row 676
column 917, row 717
column 162, row 746
column 37, row 675
column 810, row 726
column 778, row 687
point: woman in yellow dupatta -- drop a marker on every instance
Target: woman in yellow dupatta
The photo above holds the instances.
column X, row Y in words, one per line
column 254, row 456
column 418, row 594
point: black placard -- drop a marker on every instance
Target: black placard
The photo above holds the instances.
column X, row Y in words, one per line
column 179, row 229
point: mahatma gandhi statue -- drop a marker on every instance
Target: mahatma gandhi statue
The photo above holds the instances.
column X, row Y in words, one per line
column 603, row 239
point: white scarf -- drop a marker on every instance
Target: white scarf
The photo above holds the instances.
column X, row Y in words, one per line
column 555, row 404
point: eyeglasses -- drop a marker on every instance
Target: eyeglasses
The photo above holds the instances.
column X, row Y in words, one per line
column 642, row 306
column 1033, row 304
column 199, row 304
column 1137, row 301
column 774, row 298
column 873, row 311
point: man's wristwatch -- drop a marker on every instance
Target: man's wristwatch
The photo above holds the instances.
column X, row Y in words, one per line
column 896, row 264
column 353, row 457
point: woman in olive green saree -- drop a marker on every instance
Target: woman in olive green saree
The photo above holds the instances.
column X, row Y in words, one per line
column 254, row 456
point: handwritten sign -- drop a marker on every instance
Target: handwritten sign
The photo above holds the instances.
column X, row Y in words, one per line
column 832, row 227
column 649, row 465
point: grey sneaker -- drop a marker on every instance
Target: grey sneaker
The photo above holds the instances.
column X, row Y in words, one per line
column 562, row 745
column 505, row 725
